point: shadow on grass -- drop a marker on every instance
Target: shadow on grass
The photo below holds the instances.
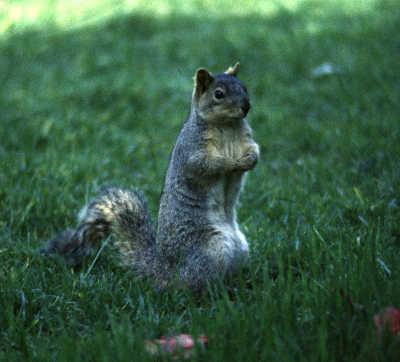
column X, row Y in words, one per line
column 147, row 61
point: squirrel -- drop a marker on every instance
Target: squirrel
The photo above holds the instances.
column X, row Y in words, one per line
column 197, row 238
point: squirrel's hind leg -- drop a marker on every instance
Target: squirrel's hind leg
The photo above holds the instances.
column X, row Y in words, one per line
column 198, row 270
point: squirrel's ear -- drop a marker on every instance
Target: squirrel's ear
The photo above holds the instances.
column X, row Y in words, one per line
column 202, row 80
column 233, row 70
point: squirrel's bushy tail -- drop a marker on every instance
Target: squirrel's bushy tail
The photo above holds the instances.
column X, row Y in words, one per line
column 117, row 213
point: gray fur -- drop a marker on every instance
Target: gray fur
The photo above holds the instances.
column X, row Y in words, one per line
column 197, row 238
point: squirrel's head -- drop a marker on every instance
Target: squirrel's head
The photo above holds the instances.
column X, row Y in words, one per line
column 220, row 97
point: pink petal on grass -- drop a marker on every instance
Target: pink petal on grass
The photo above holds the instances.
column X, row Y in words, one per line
column 185, row 341
column 168, row 344
column 174, row 344
column 388, row 319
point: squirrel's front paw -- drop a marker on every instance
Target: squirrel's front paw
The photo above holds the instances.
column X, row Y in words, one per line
column 247, row 162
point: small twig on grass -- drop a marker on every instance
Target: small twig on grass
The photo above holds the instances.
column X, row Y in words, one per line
column 103, row 245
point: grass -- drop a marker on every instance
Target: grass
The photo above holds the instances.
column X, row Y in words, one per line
column 97, row 95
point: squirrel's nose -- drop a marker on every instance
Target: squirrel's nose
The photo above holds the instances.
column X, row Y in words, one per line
column 246, row 106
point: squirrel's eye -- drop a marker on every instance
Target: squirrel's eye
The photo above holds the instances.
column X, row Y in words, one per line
column 219, row 94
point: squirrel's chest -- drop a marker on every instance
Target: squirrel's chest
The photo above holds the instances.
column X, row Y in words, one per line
column 226, row 142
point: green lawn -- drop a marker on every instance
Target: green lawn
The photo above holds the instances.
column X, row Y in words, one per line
column 96, row 95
